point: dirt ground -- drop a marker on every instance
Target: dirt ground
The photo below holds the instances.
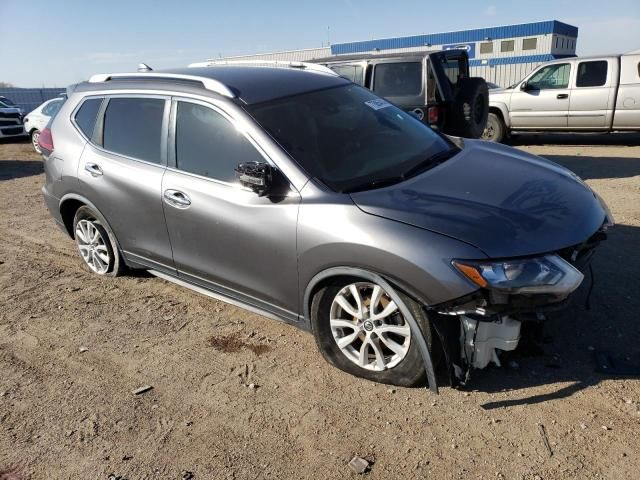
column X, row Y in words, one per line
column 73, row 348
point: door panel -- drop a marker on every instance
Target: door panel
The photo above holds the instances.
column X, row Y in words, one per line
column 592, row 95
column 235, row 239
column 128, row 193
column 127, row 190
column 545, row 101
column 225, row 237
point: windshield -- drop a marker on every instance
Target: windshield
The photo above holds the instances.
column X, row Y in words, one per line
column 349, row 138
column 7, row 102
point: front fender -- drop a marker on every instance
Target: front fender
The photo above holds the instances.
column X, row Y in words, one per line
column 503, row 108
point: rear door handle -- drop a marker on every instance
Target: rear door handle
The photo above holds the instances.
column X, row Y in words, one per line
column 93, row 168
column 561, row 96
column 176, row 198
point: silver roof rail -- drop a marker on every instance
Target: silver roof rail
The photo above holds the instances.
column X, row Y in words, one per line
column 313, row 67
column 208, row 83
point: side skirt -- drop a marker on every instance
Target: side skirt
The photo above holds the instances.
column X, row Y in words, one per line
column 292, row 319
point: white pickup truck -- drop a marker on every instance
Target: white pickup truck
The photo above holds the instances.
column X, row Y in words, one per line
column 580, row 94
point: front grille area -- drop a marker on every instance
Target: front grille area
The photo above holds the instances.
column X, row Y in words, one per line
column 12, row 130
column 8, row 123
column 9, row 115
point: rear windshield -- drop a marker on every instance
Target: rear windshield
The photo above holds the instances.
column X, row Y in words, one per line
column 347, row 137
column 398, row 79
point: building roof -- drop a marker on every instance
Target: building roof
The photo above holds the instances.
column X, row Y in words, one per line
column 462, row 36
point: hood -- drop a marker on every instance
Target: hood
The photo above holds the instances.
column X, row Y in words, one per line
column 503, row 201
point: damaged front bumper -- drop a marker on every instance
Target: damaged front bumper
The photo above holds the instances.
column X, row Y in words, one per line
column 489, row 319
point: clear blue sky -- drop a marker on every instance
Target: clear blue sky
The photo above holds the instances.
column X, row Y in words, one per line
column 55, row 43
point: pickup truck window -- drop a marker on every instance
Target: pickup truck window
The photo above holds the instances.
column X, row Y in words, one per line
column 592, row 74
column 350, row 72
column 398, row 79
column 550, row 77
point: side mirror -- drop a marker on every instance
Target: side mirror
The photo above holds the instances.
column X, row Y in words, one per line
column 524, row 86
column 257, row 176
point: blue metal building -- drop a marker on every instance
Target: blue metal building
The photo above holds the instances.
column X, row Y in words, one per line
column 30, row 98
column 501, row 55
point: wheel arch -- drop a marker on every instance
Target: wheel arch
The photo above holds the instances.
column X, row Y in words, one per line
column 392, row 288
column 500, row 109
column 69, row 205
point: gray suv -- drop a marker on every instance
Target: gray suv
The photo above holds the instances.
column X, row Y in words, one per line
column 302, row 196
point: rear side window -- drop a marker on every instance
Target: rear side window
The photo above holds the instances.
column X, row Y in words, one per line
column 86, row 116
column 592, row 74
column 52, row 108
column 398, row 79
column 208, row 144
column 133, row 127
column 350, row 72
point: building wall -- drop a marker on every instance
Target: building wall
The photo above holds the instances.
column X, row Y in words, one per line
column 553, row 40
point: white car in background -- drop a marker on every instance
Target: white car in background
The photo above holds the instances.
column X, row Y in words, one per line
column 37, row 120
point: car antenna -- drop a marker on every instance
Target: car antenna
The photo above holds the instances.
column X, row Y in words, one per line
column 143, row 67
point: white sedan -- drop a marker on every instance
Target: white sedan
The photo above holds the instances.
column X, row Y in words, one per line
column 37, row 120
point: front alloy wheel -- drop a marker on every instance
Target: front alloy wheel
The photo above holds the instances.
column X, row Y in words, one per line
column 368, row 327
column 360, row 329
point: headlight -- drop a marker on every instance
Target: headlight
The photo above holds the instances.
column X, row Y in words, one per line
column 549, row 274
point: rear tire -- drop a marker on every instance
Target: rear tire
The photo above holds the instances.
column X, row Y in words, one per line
column 495, row 130
column 35, row 135
column 470, row 108
column 402, row 366
column 97, row 244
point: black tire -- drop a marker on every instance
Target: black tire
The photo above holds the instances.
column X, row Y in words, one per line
column 470, row 110
column 34, row 135
column 116, row 266
column 495, row 130
column 409, row 372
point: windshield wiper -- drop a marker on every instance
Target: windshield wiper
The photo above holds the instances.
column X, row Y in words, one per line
column 431, row 162
column 421, row 167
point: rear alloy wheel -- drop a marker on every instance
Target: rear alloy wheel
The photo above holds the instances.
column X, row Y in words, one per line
column 361, row 330
column 96, row 244
column 35, row 136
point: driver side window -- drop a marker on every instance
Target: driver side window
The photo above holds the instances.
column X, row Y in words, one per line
column 550, row 77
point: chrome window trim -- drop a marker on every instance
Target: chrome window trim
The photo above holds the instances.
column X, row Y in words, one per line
column 164, row 127
column 234, row 123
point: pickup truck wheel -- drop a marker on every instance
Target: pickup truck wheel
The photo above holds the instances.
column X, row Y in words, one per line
column 360, row 330
column 470, row 108
column 495, row 131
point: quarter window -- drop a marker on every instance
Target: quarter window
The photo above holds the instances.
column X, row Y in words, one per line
column 52, row 108
column 550, row 77
column 486, row 47
column 592, row 74
column 133, row 127
column 86, row 116
column 529, row 43
column 398, row 79
column 507, row 45
column 208, row 144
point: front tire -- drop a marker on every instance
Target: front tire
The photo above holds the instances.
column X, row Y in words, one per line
column 96, row 244
column 360, row 330
column 35, row 136
column 495, row 130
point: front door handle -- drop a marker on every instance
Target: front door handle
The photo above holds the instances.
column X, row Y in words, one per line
column 562, row 96
column 93, row 168
column 176, row 198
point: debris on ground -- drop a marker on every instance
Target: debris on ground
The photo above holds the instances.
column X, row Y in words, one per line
column 545, row 439
column 83, row 349
column 359, row 465
column 141, row 390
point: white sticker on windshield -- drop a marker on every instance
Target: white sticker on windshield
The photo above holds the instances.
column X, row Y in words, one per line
column 377, row 104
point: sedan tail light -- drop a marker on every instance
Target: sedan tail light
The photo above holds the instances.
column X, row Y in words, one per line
column 45, row 141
